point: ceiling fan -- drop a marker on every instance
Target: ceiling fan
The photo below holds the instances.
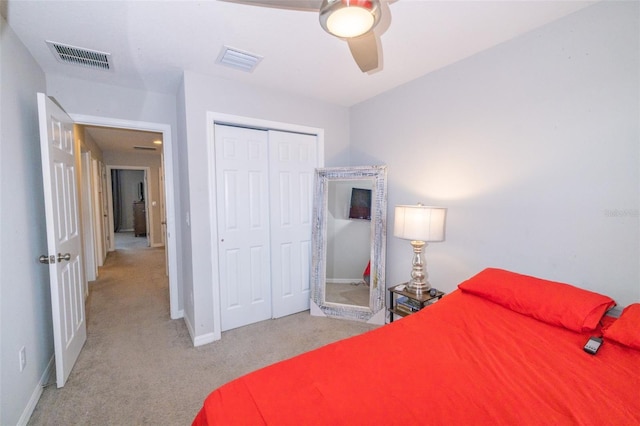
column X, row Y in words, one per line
column 350, row 20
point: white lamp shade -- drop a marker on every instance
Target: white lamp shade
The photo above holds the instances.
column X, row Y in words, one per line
column 419, row 223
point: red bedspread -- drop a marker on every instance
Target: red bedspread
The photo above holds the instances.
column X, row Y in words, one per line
column 464, row 360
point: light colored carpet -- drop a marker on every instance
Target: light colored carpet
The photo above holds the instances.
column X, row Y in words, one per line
column 128, row 241
column 348, row 293
column 139, row 367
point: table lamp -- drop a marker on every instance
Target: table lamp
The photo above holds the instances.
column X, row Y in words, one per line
column 421, row 225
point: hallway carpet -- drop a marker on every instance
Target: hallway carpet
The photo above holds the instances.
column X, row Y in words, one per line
column 139, row 367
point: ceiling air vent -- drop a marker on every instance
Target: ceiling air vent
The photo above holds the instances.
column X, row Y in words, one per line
column 144, row 148
column 80, row 56
column 234, row 58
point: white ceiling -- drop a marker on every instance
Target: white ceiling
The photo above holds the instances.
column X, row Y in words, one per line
column 125, row 140
column 152, row 42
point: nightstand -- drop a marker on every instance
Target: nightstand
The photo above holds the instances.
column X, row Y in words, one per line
column 405, row 303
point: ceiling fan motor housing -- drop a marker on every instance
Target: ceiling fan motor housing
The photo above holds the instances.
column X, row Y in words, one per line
column 349, row 18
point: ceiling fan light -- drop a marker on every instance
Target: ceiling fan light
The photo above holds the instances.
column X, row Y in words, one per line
column 350, row 22
column 349, row 18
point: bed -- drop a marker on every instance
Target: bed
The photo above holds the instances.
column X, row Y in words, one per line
column 503, row 348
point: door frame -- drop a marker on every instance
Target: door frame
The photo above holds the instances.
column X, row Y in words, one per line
column 214, row 118
column 172, row 235
column 148, row 218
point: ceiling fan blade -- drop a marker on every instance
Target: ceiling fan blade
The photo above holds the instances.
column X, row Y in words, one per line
column 365, row 51
column 306, row 5
column 385, row 17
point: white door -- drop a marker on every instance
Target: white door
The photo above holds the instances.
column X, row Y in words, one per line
column 90, row 264
column 104, row 203
column 293, row 159
column 63, row 235
column 242, row 190
column 264, row 186
column 147, row 217
column 98, row 231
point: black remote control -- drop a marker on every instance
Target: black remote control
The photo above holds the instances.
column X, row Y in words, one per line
column 593, row 344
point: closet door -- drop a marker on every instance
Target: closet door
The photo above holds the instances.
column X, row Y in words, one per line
column 292, row 160
column 242, row 187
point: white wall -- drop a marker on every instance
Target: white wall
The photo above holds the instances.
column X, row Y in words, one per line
column 184, row 201
column 532, row 145
column 25, row 301
column 202, row 94
column 87, row 143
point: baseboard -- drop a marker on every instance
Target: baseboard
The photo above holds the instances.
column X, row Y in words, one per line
column 344, row 280
column 199, row 340
column 204, row 339
column 157, row 245
column 35, row 396
column 189, row 329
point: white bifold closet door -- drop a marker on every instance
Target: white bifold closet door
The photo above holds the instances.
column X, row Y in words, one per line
column 264, row 185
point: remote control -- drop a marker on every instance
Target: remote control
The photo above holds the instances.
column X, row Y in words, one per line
column 593, row 344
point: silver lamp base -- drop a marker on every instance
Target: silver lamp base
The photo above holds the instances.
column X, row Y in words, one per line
column 418, row 283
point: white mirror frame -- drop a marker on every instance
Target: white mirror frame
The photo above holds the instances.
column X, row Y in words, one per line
column 375, row 313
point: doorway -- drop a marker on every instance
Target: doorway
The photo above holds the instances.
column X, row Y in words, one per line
column 130, row 205
column 168, row 196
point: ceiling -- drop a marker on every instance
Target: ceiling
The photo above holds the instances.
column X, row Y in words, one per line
column 152, row 42
column 125, row 140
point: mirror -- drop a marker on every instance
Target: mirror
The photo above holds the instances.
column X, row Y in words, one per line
column 349, row 243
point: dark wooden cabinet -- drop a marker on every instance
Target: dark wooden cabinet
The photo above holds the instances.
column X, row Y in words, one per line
column 139, row 219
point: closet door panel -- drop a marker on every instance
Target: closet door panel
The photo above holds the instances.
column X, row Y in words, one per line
column 293, row 159
column 242, row 200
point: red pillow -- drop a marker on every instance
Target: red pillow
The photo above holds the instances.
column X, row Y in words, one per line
column 549, row 301
column 626, row 329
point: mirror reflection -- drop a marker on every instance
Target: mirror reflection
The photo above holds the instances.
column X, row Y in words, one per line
column 348, row 243
column 348, row 268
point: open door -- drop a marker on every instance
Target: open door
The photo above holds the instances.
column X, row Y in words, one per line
column 64, row 243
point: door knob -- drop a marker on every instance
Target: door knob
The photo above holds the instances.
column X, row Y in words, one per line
column 47, row 259
column 66, row 256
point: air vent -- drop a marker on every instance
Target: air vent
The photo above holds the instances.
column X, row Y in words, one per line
column 238, row 59
column 80, row 56
column 144, row 148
